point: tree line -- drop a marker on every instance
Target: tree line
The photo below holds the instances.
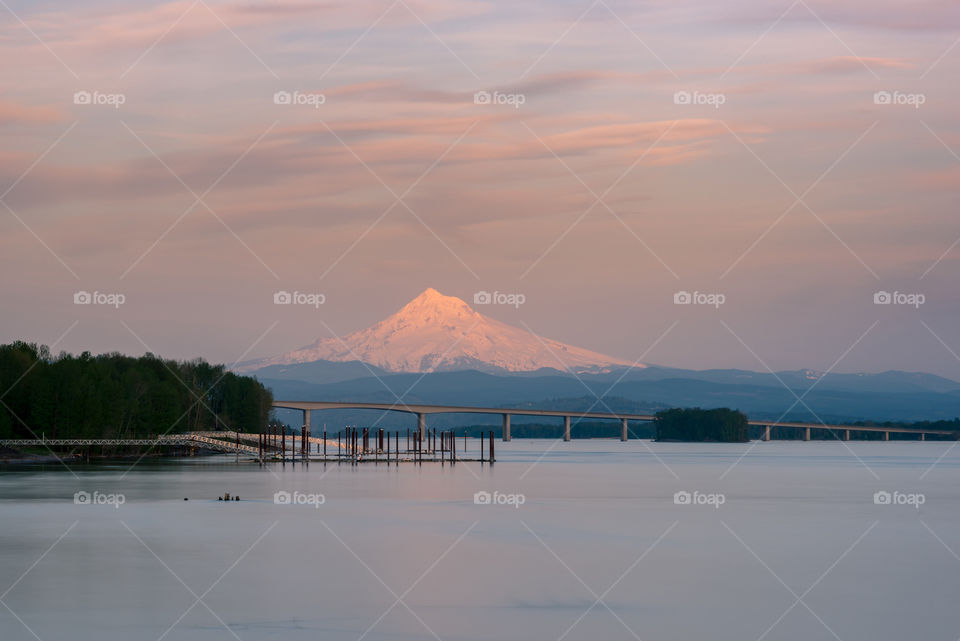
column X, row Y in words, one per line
column 694, row 424
column 117, row 396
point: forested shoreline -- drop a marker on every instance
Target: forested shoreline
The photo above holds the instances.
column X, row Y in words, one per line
column 117, row 396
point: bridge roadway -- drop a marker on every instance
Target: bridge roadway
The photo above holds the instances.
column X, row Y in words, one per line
column 421, row 411
column 193, row 439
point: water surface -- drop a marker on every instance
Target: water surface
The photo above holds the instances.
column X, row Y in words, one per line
column 598, row 549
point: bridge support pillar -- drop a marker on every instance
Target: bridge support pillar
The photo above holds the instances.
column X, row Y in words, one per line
column 422, row 426
column 766, row 432
column 623, row 429
column 506, row 428
column 566, row 428
column 846, row 435
column 923, row 436
column 806, row 433
column 886, row 436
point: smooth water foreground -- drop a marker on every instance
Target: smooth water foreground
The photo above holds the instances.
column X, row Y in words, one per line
column 588, row 542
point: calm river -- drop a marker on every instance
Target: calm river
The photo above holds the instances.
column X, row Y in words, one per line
column 596, row 540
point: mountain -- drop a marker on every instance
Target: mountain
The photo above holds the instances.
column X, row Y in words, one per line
column 891, row 382
column 434, row 332
column 437, row 349
column 758, row 398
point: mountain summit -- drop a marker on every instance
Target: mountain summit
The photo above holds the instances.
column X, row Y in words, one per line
column 436, row 332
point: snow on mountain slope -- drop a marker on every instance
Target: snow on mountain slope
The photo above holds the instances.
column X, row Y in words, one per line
column 436, row 332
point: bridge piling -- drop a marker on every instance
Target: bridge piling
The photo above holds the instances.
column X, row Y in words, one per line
column 506, row 428
column 566, row 428
column 623, row 429
column 306, row 431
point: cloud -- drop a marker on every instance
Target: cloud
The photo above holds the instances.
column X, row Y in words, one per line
column 102, row 28
column 19, row 113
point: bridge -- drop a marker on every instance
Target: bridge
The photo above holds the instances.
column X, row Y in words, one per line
column 211, row 441
column 421, row 412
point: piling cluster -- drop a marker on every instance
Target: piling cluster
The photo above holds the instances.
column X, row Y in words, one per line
column 357, row 445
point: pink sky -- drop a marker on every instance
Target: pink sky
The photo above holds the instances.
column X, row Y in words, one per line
column 597, row 198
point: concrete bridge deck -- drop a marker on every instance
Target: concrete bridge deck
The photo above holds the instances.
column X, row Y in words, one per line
column 422, row 410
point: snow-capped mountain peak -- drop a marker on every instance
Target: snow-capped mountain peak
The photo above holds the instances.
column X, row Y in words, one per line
column 438, row 332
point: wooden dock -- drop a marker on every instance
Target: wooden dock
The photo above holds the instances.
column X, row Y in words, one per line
column 351, row 445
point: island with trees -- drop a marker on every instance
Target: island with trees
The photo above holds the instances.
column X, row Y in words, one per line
column 722, row 425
